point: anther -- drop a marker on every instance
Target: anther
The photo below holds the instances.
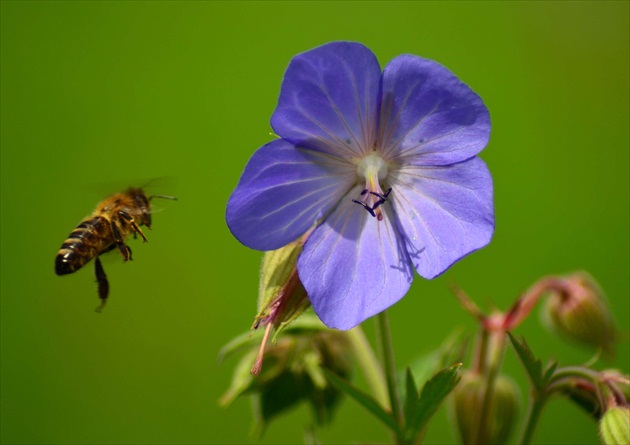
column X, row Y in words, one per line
column 371, row 209
column 366, row 207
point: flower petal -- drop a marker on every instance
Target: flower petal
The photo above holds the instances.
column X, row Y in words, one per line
column 283, row 191
column 429, row 116
column 354, row 266
column 329, row 99
column 445, row 213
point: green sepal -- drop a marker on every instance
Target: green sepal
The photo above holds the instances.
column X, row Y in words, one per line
column 614, row 427
column 275, row 271
column 281, row 295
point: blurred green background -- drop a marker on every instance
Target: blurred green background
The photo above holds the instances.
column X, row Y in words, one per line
column 97, row 96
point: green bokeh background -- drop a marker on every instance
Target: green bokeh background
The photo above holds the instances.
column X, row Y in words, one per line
column 97, row 96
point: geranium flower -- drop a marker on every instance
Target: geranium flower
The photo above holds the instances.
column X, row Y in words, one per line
column 381, row 166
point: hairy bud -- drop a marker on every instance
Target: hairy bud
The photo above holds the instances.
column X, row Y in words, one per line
column 466, row 408
column 614, row 426
column 578, row 310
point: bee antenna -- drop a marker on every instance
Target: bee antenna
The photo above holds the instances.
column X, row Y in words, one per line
column 162, row 197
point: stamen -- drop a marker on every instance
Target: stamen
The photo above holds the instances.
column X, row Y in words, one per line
column 366, row 207
column 373, row 168
column 374, row 209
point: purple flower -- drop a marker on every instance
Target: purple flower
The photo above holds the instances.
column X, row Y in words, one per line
column 382, row 164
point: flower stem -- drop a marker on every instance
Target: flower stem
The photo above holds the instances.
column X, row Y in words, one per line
column 370, row 367
column 495, row 347
column 384, row 334
column 536, row 404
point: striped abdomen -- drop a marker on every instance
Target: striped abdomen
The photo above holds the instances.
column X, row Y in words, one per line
column 91, row 238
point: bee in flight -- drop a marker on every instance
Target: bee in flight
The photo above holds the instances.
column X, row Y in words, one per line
column 114, row 219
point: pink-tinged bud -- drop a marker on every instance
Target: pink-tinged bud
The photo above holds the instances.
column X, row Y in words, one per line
column 466, row 408
column 614, row 426
column 281, row 297
column 618, row 386
column 577, row 308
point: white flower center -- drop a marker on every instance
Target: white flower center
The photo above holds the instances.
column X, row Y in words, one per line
column 373, row 169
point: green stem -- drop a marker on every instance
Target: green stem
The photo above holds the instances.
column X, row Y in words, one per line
column 536, row 404
column 369, row 365
column 480, row 361
column 575, row 371
column 384, row 334
column 495, row 347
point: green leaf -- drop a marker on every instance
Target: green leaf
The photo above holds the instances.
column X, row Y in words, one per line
column 238, row 344
column 533, row 366
column 306, row 323
column 433, row 393
column 411, row 401
column 551, row 368
column 241, row 380
column 366, row 400
column 452, row 350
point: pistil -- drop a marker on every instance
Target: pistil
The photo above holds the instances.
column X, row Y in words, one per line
column 373, row 169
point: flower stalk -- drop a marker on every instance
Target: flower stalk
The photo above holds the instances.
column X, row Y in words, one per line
column 369, row 365
column 536, row 405
column 494, row 355
column 389, row 367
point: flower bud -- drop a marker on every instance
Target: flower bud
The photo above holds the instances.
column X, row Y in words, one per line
column 614, row 426
column 578, row 310
column 281, row 296
column 466, row 408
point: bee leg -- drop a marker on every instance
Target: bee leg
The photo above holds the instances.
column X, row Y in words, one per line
column 134, row 225
column 103, row 284
column 146, row 218
column 120, row 243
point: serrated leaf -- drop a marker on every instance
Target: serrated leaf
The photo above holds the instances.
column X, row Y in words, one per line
column 452, row 350
column 366, row 400
column 533, row 366
column 431, row 397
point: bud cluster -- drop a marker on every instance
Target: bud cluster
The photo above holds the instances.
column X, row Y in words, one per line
column 293, row 371
column 484, row 405
column 503, row 408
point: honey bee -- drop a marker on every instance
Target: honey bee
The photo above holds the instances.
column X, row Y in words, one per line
column 113, row 221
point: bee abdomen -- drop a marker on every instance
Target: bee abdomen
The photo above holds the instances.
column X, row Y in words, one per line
column 88, row 240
